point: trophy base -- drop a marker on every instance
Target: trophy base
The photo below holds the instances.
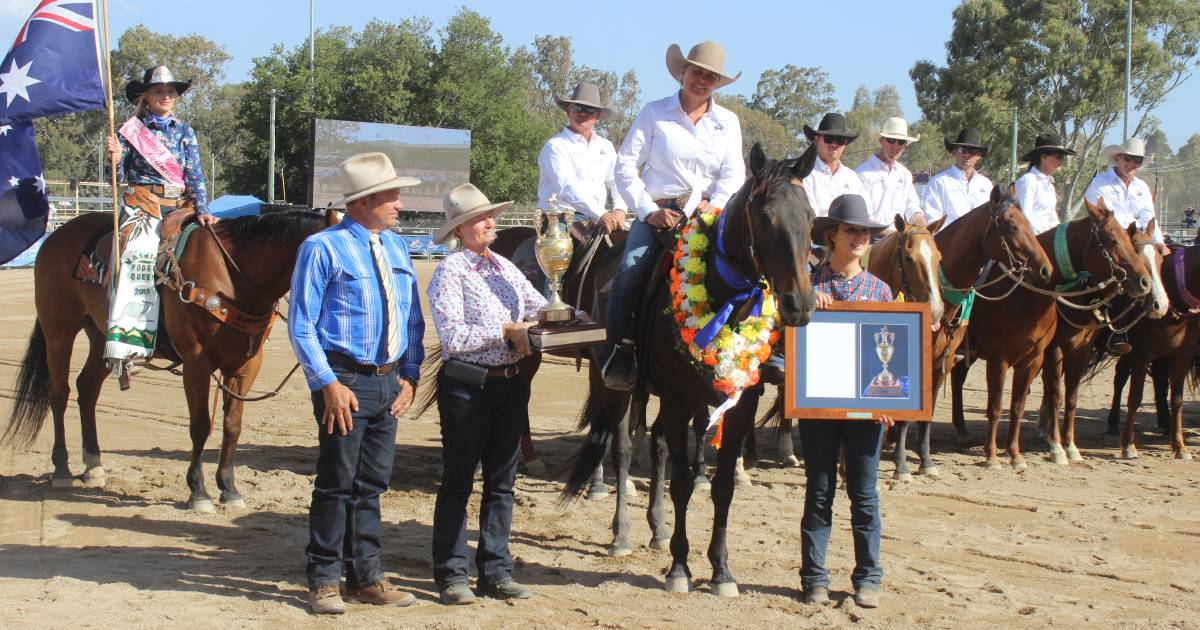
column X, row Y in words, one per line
column 556, row 316
column 885, row 389
column 567, row 336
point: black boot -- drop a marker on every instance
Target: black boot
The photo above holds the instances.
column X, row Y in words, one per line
column 620, row 370
column 1118, row 344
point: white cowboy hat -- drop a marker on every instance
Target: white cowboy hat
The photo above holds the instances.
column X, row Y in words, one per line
column 461, row 205
column 897, row 129
column 707, row 55
column 368, row 173
column 1135, row 147
column 587, row 95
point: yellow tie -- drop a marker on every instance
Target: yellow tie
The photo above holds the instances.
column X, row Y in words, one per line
column 385, row 277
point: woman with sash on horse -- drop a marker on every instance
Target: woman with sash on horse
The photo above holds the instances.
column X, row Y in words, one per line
column 845, row 233
column 158, row 157
column 683, row 154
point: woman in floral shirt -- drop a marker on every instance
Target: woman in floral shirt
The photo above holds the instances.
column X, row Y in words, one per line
column 482, row 309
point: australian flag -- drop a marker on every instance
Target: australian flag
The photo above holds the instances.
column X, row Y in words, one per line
column 23, row 204
column 54, row 64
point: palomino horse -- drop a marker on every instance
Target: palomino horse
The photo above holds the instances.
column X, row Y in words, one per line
column 245, row 263
column 995, row 231
column 1174, row 338
column 763, row 234
column 1071, row 351
column 1014, row 330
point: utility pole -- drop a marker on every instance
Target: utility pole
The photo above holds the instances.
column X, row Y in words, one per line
column 312, row 46
column 1128, row 64
column 1012, row 155
column 271, row 157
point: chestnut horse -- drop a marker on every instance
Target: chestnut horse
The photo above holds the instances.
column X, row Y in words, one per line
column 765, row 237
column 995, row 231
column 1071, row 351
column 261, row 253
column 1014, row 325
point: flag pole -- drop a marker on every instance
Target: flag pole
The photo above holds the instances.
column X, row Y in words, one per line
column 116, row 212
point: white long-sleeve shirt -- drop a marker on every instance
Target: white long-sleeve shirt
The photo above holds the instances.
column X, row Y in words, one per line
column 823, row 186
column 579, row 171
column 889, row 189
column 1038, row 200
column 664, row 154
column 950, row 194
column 1128, row 203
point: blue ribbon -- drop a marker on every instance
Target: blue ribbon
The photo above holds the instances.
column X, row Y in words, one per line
column 746, row 287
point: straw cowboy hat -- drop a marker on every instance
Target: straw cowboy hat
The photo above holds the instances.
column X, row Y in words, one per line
column 368, row 173
column 587, row 95
column 896, row 129
column 157, row 75
column 850, row 209
column 1133, row 147
column 463, row 204
column 707, row 55
column 969, row 138
column 1046, row 143
column 832, row 124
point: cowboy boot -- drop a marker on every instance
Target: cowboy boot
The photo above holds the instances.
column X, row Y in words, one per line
column 620, row 370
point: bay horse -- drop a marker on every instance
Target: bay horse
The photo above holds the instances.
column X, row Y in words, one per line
column 1072, row 349
column 765, row 238
column 1174, row 337
column 1013, row 328
column 261, row 253
column 995, row 231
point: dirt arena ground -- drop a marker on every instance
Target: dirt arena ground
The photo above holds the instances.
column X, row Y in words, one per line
column 1103, row 543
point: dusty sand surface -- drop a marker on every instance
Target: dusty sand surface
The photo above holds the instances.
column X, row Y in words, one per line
column 1102, row 543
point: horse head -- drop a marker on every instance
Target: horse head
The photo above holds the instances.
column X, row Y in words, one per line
column 780, row 222
column 1157, row 303
column 919, row 260
column 1114, row 254
column 1014, row 240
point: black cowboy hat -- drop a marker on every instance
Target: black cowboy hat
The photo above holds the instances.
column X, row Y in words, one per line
column 832, row 124
column 850, row 209
column 1046, row 143
column 969, row 138
column 154, row 76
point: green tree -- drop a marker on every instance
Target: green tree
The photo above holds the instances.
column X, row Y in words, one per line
column 929, row 153
column 1059, row 64
column 757, row 126
column 866, row 115
column 794, row 96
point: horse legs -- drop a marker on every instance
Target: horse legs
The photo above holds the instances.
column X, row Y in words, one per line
column 900, row 455
column 958, row 376
column 1160, row 376
column 739, row 421
column 232, row 432
column 699, row 429
column 928, row 466
column 1052, row 397
column 787, row 451
column 679, row 576
column 87, row 389
column 1073, row 369
column 1137, row 380
column 59, row 342
column 637, row 425
column 195, row 386
column 1120, row 378
column 1181, row 364
column 656, row 511
column 997, row 370
column 1022, row 376
column 620, row 461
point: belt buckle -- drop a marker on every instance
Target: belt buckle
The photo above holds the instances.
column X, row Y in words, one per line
column 383, row 370
column 682, row 200
column 172, row 190
column 511, row 371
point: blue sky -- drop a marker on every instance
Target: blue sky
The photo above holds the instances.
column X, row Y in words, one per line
column 621, row 35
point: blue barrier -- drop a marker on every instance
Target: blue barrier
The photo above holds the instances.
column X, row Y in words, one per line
column 423, row 245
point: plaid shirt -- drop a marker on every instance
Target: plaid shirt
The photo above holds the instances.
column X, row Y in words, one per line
column 179, row 138
column 863, row 287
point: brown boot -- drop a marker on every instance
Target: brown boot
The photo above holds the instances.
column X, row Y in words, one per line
column 326, row 600
column 381, row 593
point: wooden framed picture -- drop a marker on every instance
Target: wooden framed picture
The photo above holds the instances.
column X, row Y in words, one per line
column 858, row 360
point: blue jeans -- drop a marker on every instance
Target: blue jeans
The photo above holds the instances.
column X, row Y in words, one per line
column 641, row 250
column 479, row 424
column 822, row 441
column 352, row 471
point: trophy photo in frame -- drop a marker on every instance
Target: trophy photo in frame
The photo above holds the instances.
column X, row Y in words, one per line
column 558, row 327
column 883, row 384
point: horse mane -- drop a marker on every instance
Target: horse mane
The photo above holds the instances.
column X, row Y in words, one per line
column 289, row 226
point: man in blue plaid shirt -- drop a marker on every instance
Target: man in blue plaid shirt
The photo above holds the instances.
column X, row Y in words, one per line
column 355, row 324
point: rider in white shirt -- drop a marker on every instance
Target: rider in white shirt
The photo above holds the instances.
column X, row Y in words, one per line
column 958, row 189
column 576, row 165
column 830, row 178
column 1036, row 195
column 888, row 183
column 1126, row 194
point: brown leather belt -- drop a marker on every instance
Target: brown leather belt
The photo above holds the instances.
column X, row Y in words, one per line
column 160, row 190
column 337, row 359
column 675, row 203
column 506, row 371
column 157, row 191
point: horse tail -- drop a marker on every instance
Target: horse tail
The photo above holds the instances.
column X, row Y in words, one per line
column 1100, row 361
column 600, row 436
column 1193, row 379
column 31, row 394
column 774, row 415
column 427, row 384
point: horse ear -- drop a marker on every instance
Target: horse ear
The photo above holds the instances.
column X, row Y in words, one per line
column 899, row 222
column 758, row 159
column 1098, row 211
column 937, row 225
column 804, row 163
column 997, row 197
column 1132, row 229
column 1151, row 226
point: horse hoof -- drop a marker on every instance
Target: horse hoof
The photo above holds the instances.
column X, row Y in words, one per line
column 701, row 483
column 1018, row 466
column 630, row 489
column 233, row 503
column 1059, row 457
column 932, row 472
column 535, row 468
column 1073, row 454
column 678, row 585
column 619, row 552
column 597, row 493
column 63, row 482
column 93, row 477
column 660, row 544
column 742, row 481
column 793, row 461
column 1129, row 453
column 994, row 464
column 902, row 476
column 203, row 506
column 725, row 589
column 1184, row 456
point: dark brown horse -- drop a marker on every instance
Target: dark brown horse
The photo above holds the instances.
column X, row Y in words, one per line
column 1071, row 351
column 765, row 237
column 995, row 231
column 262, row 251
column 1016, row 323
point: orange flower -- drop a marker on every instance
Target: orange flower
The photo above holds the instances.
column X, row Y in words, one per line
column 710, row 359
column 744, row 362
column 774, row 337
column 687, row 334
column 764, row 353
